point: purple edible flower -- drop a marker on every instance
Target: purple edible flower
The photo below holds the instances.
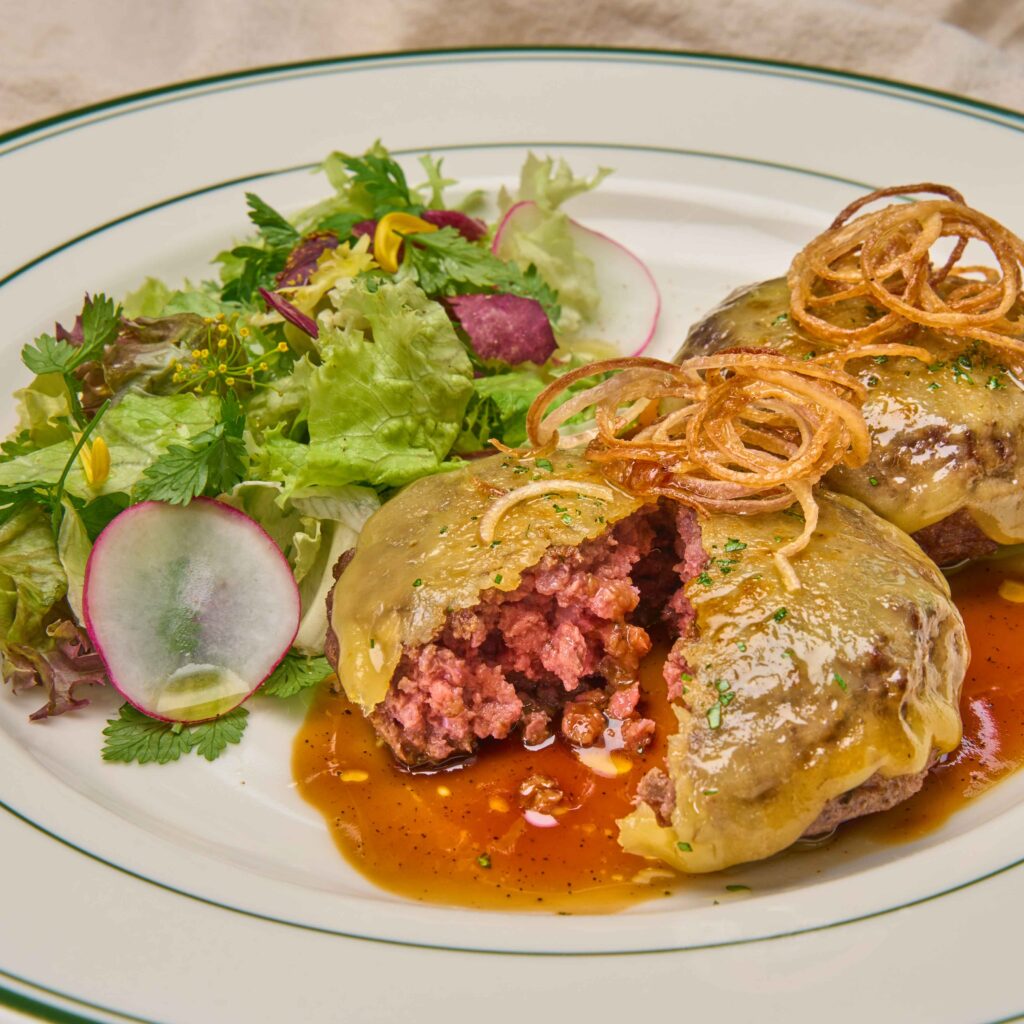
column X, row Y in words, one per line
column 290, row 313
column 302, row 260
column 502, row 326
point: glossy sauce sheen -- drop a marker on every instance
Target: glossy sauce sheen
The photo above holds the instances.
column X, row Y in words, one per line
column 421, row 835
column 991, row 705
column 459, row 836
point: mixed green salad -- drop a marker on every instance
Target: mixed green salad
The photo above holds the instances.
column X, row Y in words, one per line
column 339, row 354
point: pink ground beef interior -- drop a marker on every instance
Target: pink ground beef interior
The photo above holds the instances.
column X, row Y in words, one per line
column 561, row 652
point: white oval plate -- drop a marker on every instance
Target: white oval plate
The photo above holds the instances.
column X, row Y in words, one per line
column 198, row 892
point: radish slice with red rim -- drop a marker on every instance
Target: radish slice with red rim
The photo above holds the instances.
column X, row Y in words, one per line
column 190, row 607
column 630, row 299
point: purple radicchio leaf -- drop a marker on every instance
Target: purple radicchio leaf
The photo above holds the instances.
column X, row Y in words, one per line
column 302, row 260
column 290, row 313
column 365, row 227
column 502, row 326
column 70, row 663
column 141, row 358
column 470, row 228
column 74, row 336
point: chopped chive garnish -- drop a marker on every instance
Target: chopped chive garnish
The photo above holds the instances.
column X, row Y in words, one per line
column 741, row 645
column 737, row 888
column 734, row 544
column 710, row 792
column 417, row 583
column 840, row 681
column 873, row 480
column 545, row 464
column 685, row 847
column 443, row 530
column 714, row 716
column 780, row 319
column 722, row 685
column 704, row 580
column 780, row 614
column 994, row 383
column 495, row 543
column 498, row 578
column 484, row 860
column 566, row 518
column 879, row 360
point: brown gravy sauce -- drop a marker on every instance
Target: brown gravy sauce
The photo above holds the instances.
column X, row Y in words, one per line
column 460, row 835
column 991, row 706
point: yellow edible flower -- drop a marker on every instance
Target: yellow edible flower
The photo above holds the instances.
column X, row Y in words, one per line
column 387, row 239
column 333, row 266
column 95, row 459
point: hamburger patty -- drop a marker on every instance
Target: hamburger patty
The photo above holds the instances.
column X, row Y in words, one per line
column 561, row 651
column 877, row 794
column 947, row 436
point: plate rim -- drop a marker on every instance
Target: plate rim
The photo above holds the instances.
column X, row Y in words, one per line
column 920, row 93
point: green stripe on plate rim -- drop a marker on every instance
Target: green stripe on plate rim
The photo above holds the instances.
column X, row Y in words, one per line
column 38, row 1008
column 964, row 105
column 459, row 147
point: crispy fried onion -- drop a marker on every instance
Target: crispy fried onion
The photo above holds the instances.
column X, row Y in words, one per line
column 745, row 431
column 884, row 258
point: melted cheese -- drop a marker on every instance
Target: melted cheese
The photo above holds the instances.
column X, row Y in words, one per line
column 421, row 557
column 945, row 436
column 856, row 673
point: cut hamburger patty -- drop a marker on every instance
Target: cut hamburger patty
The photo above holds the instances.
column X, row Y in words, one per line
column 562, row 651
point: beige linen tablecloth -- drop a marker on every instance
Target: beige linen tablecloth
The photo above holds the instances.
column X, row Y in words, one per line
column 60, row 54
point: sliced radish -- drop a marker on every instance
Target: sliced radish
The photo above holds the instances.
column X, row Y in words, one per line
column 630, row 299
column 191, row 608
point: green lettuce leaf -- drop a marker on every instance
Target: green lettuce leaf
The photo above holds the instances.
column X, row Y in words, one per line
column 500, row 402
column 387, row 403
column 73, row 549
column 282, row 403
column 44, row 410
column 313, row 533
column 137, row 432
column 153, row 298
column 32, row 579
column 548, row 243
column 549, row 184
column 279, row 459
